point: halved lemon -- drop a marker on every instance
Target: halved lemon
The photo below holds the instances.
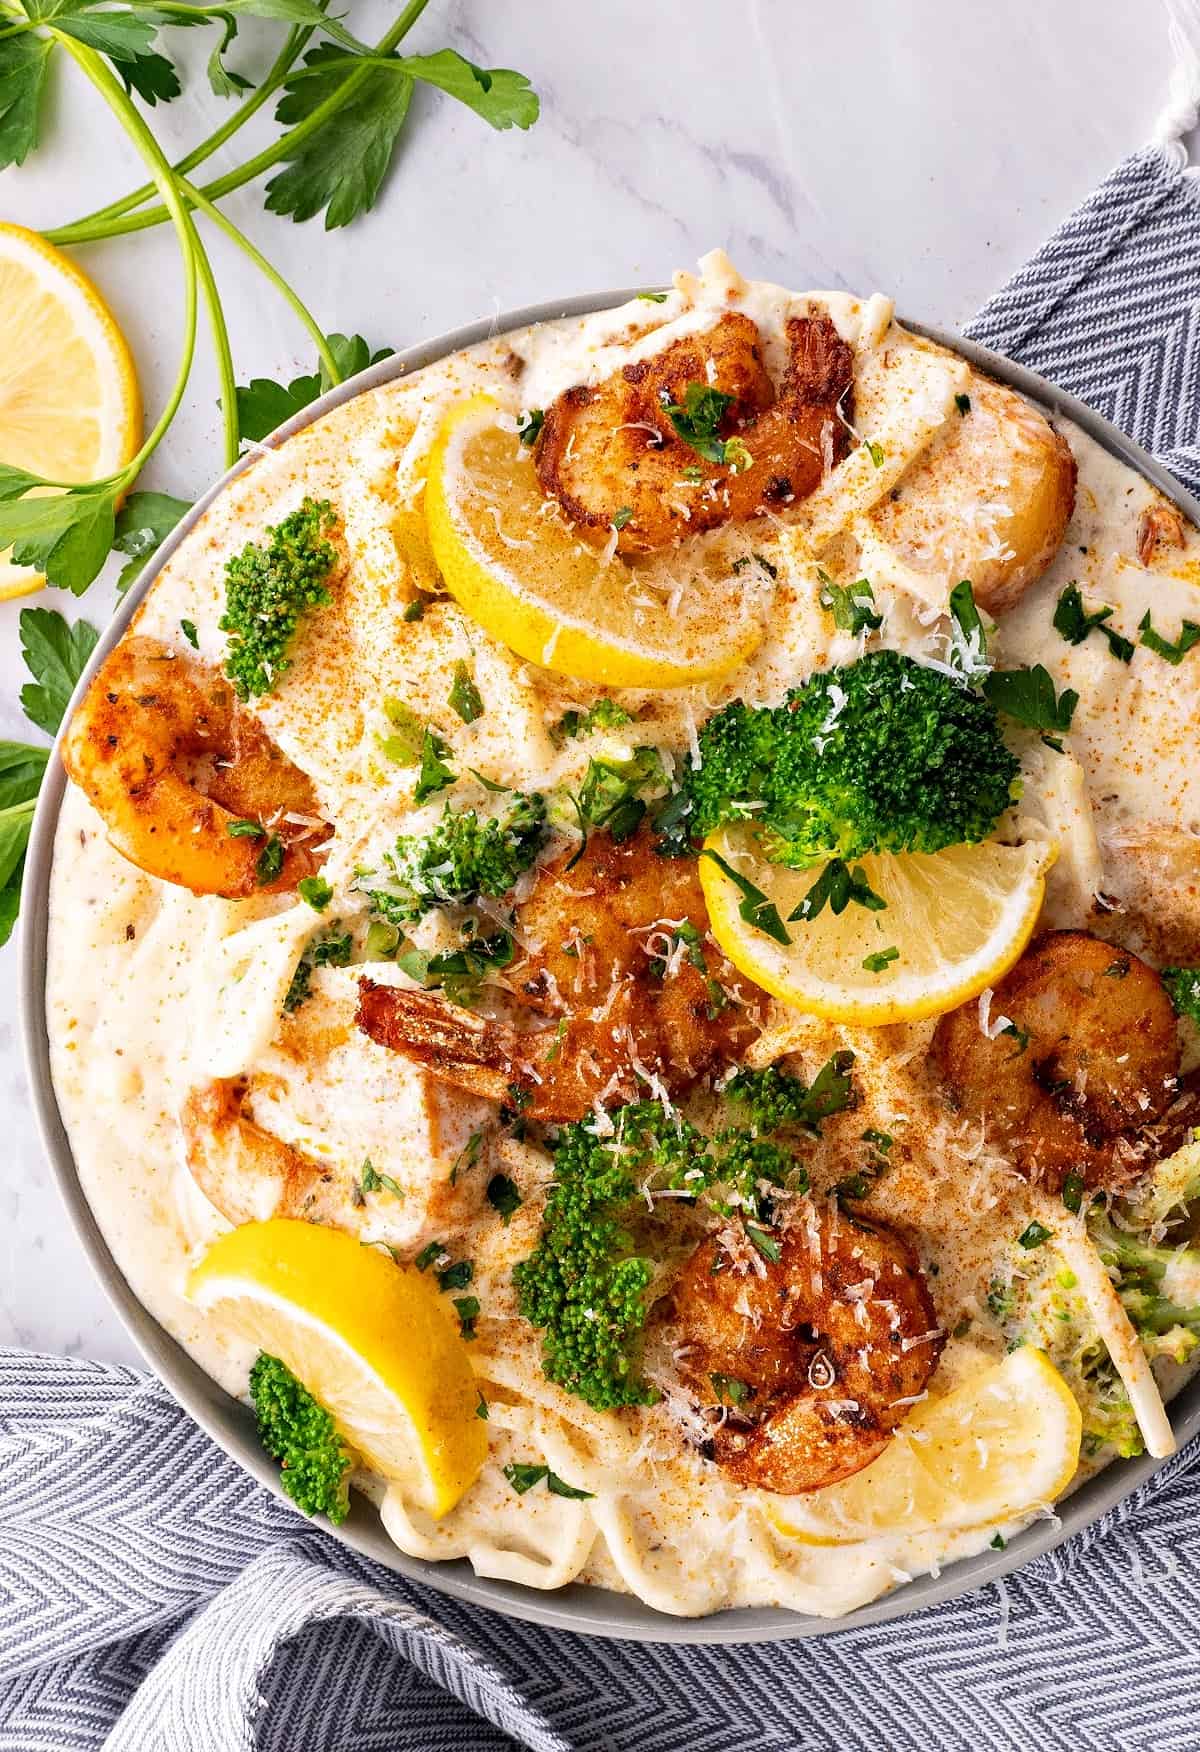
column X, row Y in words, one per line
column 515, row 565
column 69, row 402
column 372, row 1340
column 1002, row 1444
column 953, row 923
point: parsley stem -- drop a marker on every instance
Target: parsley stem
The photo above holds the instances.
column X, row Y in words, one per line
column 263, row 161
column 220, row 336
column 16, row 29
column 91, row 227
column 118, row 101
column 277, row 280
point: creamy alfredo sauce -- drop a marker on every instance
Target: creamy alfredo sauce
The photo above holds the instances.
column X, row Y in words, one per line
column 152, row 991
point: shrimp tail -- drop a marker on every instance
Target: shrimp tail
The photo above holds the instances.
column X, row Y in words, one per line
column 471, row 1051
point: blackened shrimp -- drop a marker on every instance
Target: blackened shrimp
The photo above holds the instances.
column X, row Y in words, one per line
column 1078, row 1063
column 613, row 459
column 819, row 1353
column 181, row 774
column 628, row 995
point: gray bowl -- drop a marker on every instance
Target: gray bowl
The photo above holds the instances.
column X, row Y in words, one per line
column 591, row 1611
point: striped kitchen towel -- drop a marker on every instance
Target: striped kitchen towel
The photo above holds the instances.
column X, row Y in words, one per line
column 154, row 1599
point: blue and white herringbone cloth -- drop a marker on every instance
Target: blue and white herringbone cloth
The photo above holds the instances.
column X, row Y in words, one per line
column 154, row 1599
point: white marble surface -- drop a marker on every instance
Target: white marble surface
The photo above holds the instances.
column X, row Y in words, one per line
column 924, row 149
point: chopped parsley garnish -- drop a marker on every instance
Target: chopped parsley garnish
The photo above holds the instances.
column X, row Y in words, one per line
column 963, row 403
column 332, row 950
column 1034, row 1236
column 970, row 647
column 408, row 733
column 269, row 588
column 1075, row 621
column 1183, row 989
column 622, row 517
column 1072, row 1192
column 467, row 1156
column 1028, row 696
column 188, row 629
column 1174, row 653
column 415, row 610
column 371, row 1180
column 880, row 960
column 1020, row 1035
column 755, row 907
column 465, row 698
column 529, row 426
column 730, row 1391
column 481, row 1408
column 503, row 1196
column 435, row 775
column 653, row 297
column 431, row 1251
column 523, row 1475
column 269, row 862
column 764, row 1242
column 245, row 829
column 698, row 423
column 614, row 792
column 874, row 451
column 882, row 1140
column 455, row 1276
column 851, row 605
column 468, row 1310
column 315, row 892
column 836, row 887
column 998, row 1542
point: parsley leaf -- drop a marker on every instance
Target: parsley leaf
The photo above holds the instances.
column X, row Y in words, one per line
column 263, row 405
column 755, row 907
column 880, row 960
column 1183, row 989
column 503, row 98
column 465, row 697
column 67, row 536
column 523, row 1475
column 143, row 523
column 23, row 61
column 504, row 1196
column 1174, row 653
column 852, row 605
column 56, row 654
column 1034, row 1236
column 837, row 886
column 22, row 767
column 1028, row 696
column 315, row 892
column 435, row 775
column 698, row 420
column 1074, row 622
column 340, row 166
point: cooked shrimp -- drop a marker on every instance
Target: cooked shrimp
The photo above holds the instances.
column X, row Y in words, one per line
column 246, row 1172
column 1160, row 529
column 169, row 758
column 625, row 1009
column 832, row 1342
column 989, row 501
column 1084, row 1068
column 612, row 458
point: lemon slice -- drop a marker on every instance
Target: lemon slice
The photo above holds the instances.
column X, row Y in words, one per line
column 373, row 1341
column 957, row 919
column 513, row 562
column 69, row 402
column 1003, row 1443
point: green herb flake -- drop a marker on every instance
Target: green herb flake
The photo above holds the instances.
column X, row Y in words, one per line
column 504, row 1196
column 188, row 629
column 456, row 1276
column 730, row 1391
column 371, row 1180
column 435, row 775
column 481, row 1408
column 622, row 517
column 1034, row 1236
column 836, row 887
column 529, row 427
column 1173, row 653
column 1028, row 695
column 468, row 1310
column 653, row 297
column 754, row 907
column 465, row 698
column 764, row 1242
column 415, row 610
column 1074, row 621
column 523, row 1475
column 245, row 829
column 851, row 605
column 315, row 892
column 1183, row 989
column 434, row 1250
column 963, row 403
column 269, row 863
column 1072, row 1192
column 880, row 960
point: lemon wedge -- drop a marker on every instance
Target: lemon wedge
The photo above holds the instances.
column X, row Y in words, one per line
column 956, row 921
column 69, row 402
column 1003, row 1443
column 514, row 564
column 373, row 1341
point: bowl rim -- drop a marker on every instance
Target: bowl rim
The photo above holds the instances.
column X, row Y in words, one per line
column 584, row 1610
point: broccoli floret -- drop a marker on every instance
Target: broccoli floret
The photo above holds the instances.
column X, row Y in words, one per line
column 884, row 755
column 585, row 1284
column 463, row 857
column 775, row 1099
column 268, row 586
column 299, row 1433
column 1158, row 1285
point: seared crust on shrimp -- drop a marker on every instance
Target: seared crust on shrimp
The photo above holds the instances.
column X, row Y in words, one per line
column 624, row 1009
column 833, row 1341
column 169, row 758
column 611, row 457
column 1090, row 1066
column 989, row 501
column 246, row 1172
